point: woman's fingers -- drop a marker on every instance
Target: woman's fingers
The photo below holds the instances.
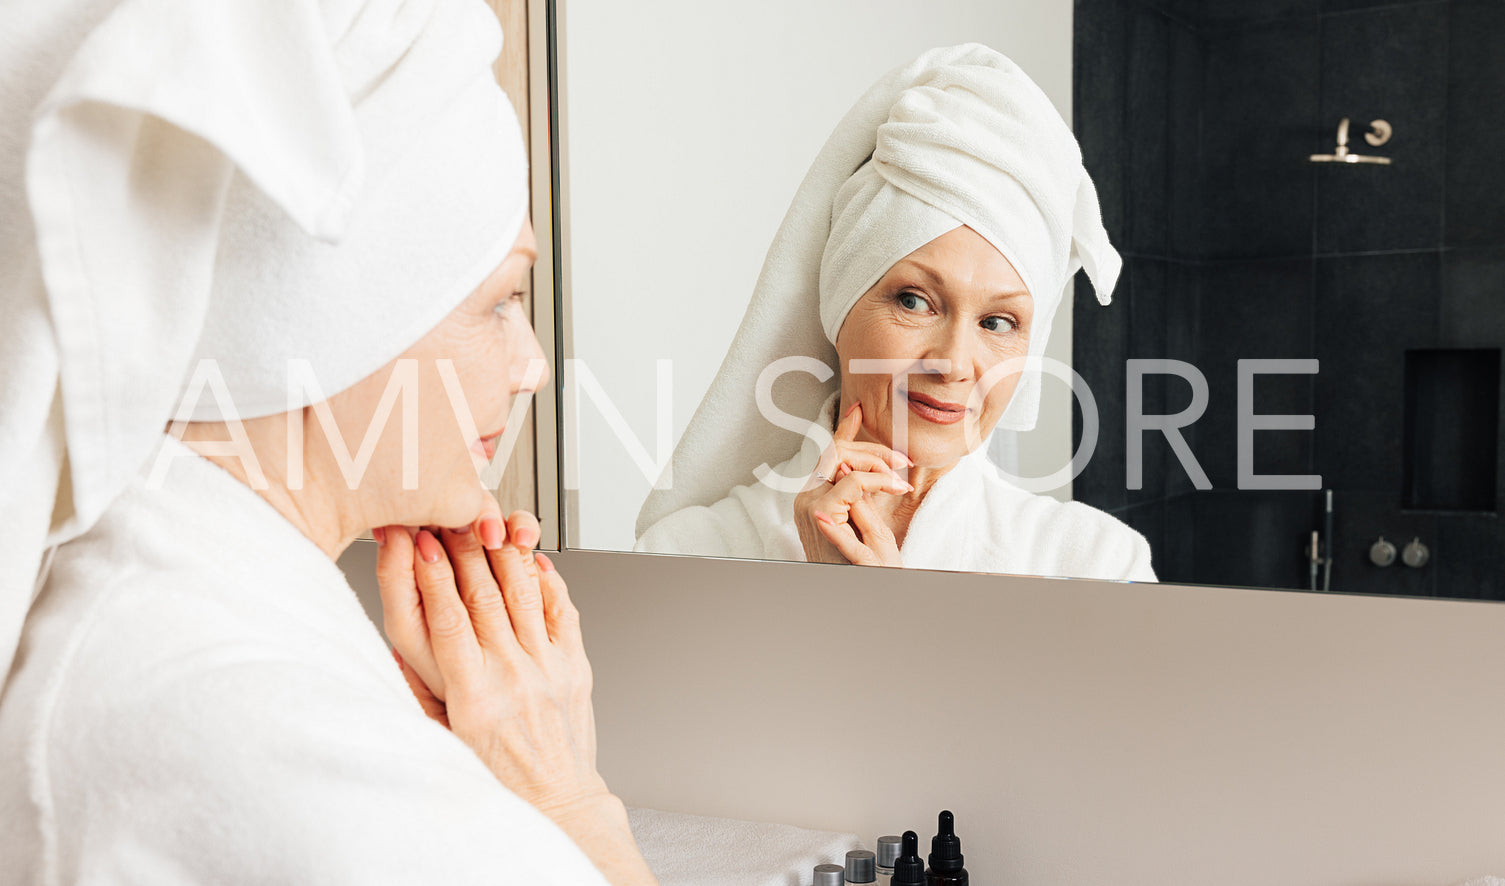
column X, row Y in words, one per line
column 489, row 527
column 402, row 604
column 852, row 488
column 478, row 589
column 845, row 541
column 451, row 635
column 518, row 578
column 850, row 424
column 862, row 460
column 523, row 530
column 891, row 457
column 877, row 535
column 862, row 456
column 402, row 609
column 846, row 432
column 430, row 703
column 560, row 616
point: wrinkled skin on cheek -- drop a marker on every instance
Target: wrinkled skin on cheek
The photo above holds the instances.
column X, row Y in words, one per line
column 954, row 317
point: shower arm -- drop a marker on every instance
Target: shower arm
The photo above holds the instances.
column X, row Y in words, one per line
column 1379, row 134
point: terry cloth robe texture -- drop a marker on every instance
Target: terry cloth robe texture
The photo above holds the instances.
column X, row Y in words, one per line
column 199, row 698
column 973, row 520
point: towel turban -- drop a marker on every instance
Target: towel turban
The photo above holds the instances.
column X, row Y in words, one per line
column 252, row 183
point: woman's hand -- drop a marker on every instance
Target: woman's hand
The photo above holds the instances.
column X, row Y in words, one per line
column 402, row 605
column 495, row 653
column 838, row 515
column 490, row 643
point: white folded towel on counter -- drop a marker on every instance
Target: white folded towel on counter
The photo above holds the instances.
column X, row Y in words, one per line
column 697, row 850
column 1484, row 881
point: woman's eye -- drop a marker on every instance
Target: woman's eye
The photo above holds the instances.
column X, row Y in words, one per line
column 911, row 301
column 507, row 304
column 998, row 324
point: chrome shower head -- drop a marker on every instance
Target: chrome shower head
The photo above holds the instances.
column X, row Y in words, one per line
column 1379, row 133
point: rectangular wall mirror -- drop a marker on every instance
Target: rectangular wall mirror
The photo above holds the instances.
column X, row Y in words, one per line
column 1295, row 384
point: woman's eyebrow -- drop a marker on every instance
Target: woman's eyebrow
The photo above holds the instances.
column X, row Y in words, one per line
column 938, row 281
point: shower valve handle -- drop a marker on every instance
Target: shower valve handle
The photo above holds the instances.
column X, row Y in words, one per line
column 1415, row 554
column 1382, row 553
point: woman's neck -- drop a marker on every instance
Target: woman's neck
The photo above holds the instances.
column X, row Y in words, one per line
column 923, row 479
column 308, row 505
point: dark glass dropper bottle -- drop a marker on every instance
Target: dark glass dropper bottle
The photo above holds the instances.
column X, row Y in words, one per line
column 909, row 870
column 946, row 855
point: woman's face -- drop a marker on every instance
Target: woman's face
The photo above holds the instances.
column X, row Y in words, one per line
column 464, row 373
column 954, row 305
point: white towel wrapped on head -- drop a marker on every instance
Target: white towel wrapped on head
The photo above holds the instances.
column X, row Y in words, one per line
column 248, row 183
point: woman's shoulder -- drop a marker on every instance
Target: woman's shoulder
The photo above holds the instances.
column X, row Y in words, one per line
column 1067, row 537
column 755, row 521
column 148, row 638
column 230, row 714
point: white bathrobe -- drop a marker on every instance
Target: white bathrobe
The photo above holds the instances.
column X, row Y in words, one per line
column 972, row 520
column 199, row 698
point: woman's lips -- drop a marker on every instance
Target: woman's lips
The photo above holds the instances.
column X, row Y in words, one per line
column 486, row 446
column 931, row 409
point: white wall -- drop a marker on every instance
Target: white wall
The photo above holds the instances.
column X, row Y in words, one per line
column 688, row 128
column 1085, row 733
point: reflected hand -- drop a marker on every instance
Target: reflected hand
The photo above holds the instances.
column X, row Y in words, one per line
column 838, row 515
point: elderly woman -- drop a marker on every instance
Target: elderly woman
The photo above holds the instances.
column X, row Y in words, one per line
column 923, row 257
column 298, row 216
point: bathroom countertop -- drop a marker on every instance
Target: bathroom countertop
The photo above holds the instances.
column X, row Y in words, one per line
column 696, row 850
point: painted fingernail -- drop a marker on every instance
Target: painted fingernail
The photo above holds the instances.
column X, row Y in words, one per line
column 380, row 535
column 492, row 536
column 824, row 519
column 428, row 547
column 527, row 537
column 544, row 563
column 459, row 530
column 849, row 410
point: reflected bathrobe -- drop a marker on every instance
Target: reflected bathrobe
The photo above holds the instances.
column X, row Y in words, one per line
column 972, row 520
column 199, row 698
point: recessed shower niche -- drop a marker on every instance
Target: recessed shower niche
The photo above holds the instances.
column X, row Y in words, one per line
column 1451, row 436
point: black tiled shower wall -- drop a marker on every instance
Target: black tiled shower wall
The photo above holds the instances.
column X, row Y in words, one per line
column 1254, row 310
column 1196, row 118
column 1389, row 64
column 1259, row 110
column 1475, row 177
column 1097, row 77
column 1146, row 143
column 1099, row 350
column 1370, row 310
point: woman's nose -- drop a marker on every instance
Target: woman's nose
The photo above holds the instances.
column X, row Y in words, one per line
column 530, row 370
column 952, row 353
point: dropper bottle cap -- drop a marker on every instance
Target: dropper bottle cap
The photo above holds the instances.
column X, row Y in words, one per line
column 945, row 848
column 909, row 870
column 829, row 875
